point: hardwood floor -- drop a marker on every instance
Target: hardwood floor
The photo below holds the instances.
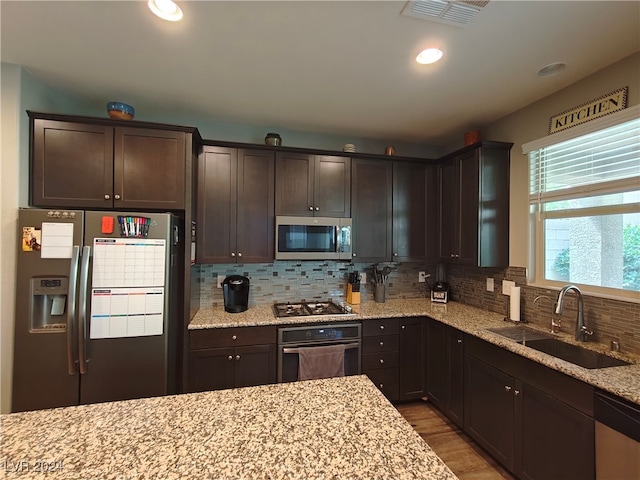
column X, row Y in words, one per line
column 467, row 460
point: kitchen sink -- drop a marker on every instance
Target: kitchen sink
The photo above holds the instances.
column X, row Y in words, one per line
column 573, row 353
column 549, row 344
column 520, row 333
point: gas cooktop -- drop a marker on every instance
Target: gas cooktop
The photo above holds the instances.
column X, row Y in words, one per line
column 304, row 309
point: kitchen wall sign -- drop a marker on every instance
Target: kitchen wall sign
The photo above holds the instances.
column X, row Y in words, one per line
column 599, row 107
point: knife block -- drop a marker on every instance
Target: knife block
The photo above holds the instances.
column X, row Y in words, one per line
column 353, row 294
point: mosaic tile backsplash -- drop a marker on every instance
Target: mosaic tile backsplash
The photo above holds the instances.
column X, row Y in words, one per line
column 283, row 281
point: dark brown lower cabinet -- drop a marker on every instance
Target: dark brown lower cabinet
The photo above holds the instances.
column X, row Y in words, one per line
column 436, row 360
column 413, row 358
column 445, row 366
column 490, row 410
column 231, row 367
column 380, row 354
column 537, row 422
column 455, row 375
column 557, row 440
column 234, row 357
column 394, row 356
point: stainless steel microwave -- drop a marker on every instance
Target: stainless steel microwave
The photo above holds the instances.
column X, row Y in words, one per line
column 313, row 238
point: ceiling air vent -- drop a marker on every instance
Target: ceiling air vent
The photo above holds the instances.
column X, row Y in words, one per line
column 458, row 13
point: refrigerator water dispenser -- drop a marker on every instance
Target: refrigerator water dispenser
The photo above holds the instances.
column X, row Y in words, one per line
column 48, row 304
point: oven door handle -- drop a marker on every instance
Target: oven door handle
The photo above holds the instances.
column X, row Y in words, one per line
column 296, row 350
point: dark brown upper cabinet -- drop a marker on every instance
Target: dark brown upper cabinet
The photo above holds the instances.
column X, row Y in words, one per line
column 313, row 185
column 474, row 205
column 103, row 164
column 415, row 212
column 372, row 200
column 235, row 216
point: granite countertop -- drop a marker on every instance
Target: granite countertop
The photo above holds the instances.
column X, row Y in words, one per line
column 623, row 381
column 332, row 428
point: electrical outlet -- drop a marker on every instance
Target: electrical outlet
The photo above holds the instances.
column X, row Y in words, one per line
column 220, row 280
column 363, row 278
column 490, row 284
column 422, row 277
column 506, row 287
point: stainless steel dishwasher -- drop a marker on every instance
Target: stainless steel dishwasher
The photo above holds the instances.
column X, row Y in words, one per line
column 617, row 438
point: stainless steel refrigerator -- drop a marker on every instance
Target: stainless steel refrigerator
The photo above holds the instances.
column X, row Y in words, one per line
column 96, row 308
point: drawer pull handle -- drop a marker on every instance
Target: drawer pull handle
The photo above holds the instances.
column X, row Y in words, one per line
column 459, row 340
column 507, row 388
column 381, row 327
column 230, row 357
column 382, row 360
column 237, row 357
column 234, row 337
column 516, row 392
column 382, row 344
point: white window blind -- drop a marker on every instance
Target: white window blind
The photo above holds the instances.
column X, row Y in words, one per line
column 602, row 162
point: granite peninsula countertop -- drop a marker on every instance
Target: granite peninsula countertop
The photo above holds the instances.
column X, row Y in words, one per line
column 332, row 428
column 623, row 381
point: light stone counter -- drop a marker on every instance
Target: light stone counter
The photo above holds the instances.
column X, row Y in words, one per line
column 333, row 428
column 623, row 381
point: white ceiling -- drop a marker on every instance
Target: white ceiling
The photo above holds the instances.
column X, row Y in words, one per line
column 343, row 67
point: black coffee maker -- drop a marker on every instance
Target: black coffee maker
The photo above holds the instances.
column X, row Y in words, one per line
column 440, row 290
column 235, row 289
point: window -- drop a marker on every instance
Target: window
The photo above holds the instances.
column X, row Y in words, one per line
column 584, row 196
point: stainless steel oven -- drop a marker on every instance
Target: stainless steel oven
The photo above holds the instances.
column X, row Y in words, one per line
column 291, row 339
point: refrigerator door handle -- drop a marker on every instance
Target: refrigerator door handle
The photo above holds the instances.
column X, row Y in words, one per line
column 71, row 310
column 83, row 297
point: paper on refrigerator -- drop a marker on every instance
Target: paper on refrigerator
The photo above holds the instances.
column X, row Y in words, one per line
column 127, row 295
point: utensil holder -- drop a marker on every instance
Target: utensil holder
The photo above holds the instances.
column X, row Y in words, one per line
column 379, row 292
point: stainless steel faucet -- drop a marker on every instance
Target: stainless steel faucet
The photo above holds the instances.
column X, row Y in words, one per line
column 555, row 325
column 581, row 328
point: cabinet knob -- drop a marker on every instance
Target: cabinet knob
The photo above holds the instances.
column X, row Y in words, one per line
column 404, row 326
column 507, row 388
column 317, row 209
column 233, row 254
column 239, row 254
column 237, row 357
column 382, row 360
column 381, row 327
column 459, row 340
column 353, row 255
column 395, row 254
column 311, row 208
column 116, row 196
column 230, row 357
column 516, row 392
column 107, row 196
column 234, row 337
column 382, row 344
column 381, row 386
column 453, row 255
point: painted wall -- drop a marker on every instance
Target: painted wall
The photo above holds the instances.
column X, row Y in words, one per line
column 532, row 122
column 9, row 193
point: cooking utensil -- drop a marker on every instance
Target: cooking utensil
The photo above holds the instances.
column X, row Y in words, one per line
column 385, row 274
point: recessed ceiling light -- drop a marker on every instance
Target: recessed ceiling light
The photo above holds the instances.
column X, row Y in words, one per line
column 551, row 69
column 166, row 9
column 430, row 55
